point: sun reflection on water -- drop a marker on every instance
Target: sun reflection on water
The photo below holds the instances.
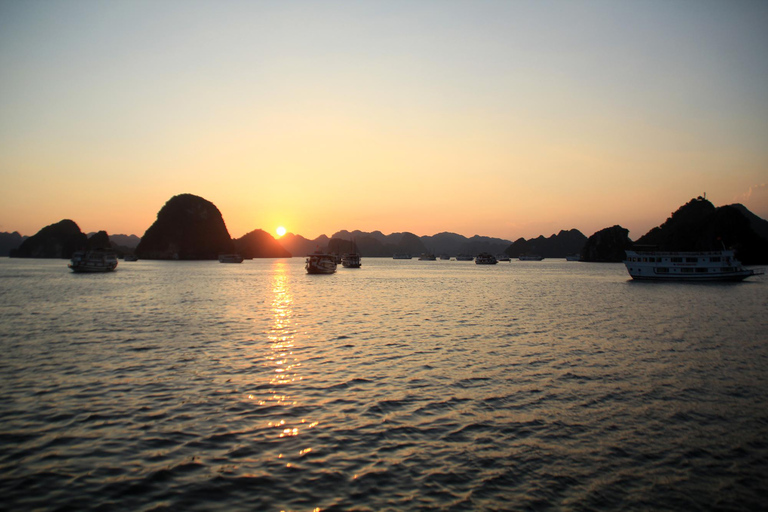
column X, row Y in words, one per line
column 281, row 338
column 283, row 361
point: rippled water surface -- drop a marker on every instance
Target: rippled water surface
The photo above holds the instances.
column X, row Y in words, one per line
column 404, row 385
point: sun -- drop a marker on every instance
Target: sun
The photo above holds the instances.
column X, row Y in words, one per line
column 280, row 231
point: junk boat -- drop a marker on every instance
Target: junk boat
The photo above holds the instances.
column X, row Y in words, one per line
column 320, row 263
column 686, row 266
column 93, row 261
column 230, row 258
column 485, row 258
column 351, row 259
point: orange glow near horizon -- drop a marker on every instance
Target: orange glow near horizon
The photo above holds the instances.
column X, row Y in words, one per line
column 365, row 116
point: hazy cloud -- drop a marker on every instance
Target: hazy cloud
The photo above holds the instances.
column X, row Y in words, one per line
column 756, row 199
column 757, row 190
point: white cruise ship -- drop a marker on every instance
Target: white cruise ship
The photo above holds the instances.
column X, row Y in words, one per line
column 686, row 266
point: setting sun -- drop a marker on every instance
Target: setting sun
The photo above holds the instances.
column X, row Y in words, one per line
column 280, row 231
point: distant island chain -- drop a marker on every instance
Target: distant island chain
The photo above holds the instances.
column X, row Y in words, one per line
column 189, row 227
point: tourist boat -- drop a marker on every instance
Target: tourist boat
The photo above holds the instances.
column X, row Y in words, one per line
column 320, row 263
column 98, row 260
column 351, row 259
column 427, row 257
column 503, row 257
column 464, row 257
column 573, row 257
column 401, row 257
column 530, row 257
column 230, row 258
column 686, row 266
column 485, row 258
column 130, row 257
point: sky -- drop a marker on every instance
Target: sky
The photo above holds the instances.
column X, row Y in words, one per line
column 499, row 118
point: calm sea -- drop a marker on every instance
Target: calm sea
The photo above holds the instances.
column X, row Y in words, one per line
column 404, row 385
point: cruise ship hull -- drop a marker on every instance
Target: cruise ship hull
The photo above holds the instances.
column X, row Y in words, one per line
column 686, row 266
column 732, row 276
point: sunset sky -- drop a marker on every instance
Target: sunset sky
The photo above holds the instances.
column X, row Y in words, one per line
column 499, row 118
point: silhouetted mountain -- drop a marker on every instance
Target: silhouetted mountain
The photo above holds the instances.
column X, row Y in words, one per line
column 376, row 244
column 410, row 244
column 58, row 240
column 297, row 245
column 98, row 240
column 759, row 225
column 259, row 244
column 680, row 231
column 519, row 247
column 453, row 244
column 699, row 226
column 9, row 242
column 372, row 246
column 560, row 245
column 131, row 241
column 478, row 244
column 340, row 246
column 607, row 245
column 188, row 227
column 446, row 243
column 122, row 241
column 119, row 244
column 376, row 235
column 344, row 241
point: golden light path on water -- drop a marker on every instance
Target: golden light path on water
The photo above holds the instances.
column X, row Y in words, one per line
column 283, row 361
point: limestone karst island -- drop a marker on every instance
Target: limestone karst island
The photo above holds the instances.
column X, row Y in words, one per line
column 189, row 227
